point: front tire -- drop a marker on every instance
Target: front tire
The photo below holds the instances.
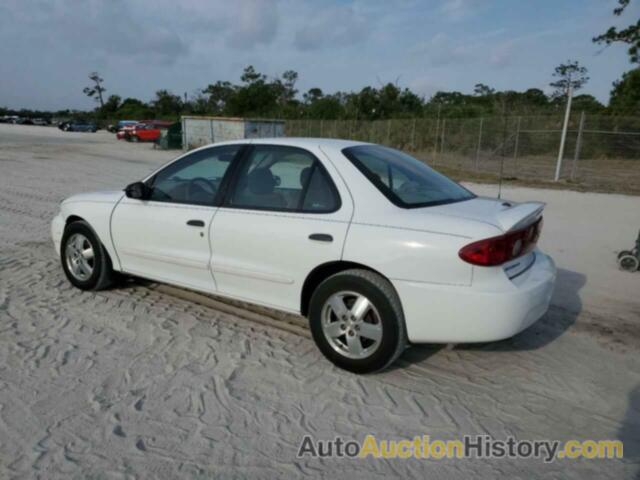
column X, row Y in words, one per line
column 84, row 260
column 357, row 322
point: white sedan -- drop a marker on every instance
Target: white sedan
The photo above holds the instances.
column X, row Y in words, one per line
column 372, row 245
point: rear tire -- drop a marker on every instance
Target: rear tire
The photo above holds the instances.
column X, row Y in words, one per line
column 357, row 322
column 629, row 263
column 624, row 253
column 84, row 259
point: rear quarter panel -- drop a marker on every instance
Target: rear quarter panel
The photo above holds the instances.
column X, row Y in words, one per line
column 406, row 254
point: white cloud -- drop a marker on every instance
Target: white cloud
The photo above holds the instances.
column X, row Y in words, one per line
column 441, row 50
column 458, row 9
column 49, row 46
column 331, row 27
column 503, row 55
column 256, row 22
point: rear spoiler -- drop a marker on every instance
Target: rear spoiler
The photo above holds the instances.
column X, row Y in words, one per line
column 520, row 215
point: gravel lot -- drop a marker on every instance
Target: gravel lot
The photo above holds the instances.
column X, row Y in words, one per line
column 137, row 383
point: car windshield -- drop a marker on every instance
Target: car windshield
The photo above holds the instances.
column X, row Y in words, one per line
column 407, row 182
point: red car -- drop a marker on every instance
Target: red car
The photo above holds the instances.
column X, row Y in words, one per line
column 143, row 133
column 147, row 131
column 123, row 132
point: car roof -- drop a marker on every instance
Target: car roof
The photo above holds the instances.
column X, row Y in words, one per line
column 303, row 142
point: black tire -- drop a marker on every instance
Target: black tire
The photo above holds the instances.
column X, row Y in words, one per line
column 102, row 275
column 624, row 253
column 385, row 300
column 629, row 263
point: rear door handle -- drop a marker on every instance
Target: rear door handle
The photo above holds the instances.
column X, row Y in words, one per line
column 321, row 237
column 195, row 223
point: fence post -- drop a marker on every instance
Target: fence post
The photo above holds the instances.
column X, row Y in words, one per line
column 388, row 133
column 413, row 135
column 576, row 153
column 479, row 147
column 515, row 146
column 563, row 138
column 435, row 137
column 444, row 124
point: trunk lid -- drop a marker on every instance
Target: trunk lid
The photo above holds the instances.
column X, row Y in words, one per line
column 503, row 214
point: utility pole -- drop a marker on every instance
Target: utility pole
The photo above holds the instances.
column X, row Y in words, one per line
column 576, row 153
column 565, row 127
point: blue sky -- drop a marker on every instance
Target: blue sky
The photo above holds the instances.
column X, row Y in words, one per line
column 48, row 47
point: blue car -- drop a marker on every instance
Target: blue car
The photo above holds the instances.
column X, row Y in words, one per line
column 78, row 126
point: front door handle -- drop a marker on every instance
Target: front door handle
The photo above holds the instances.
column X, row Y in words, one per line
column 195, row 223
column 321, row 237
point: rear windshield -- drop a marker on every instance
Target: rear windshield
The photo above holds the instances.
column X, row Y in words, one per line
column 407, row 182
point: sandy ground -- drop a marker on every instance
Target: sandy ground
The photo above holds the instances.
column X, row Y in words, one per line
column 136, row 383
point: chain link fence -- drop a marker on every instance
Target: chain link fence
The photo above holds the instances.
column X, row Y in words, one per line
column 602, row 153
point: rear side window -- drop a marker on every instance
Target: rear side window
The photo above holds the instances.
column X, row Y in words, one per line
column 283, row 178
column 405, row 181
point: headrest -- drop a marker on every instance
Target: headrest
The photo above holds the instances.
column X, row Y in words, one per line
column 304, row 176
column 261, row 181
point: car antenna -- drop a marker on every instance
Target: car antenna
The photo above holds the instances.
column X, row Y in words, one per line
column 500, row 179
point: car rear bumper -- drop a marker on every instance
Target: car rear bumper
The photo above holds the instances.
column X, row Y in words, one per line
column 487, row 310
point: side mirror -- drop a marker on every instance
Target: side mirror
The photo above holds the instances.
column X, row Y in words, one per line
column 138, row 190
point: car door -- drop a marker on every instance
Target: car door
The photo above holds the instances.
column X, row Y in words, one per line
column 166, row 237
column 282, row 216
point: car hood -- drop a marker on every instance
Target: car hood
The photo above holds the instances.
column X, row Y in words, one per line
column 110, row 196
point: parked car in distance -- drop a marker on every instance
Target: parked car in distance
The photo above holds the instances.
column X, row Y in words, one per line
column 120, row 124
column 78, row 126
column 122, row 132
column 142, row 133
column 40, row 121
column 374, row 247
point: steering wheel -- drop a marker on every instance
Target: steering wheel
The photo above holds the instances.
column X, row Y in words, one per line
column 200, row 186
column 410, row 186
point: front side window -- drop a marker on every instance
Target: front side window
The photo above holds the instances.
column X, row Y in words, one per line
column 194, row 179
column 282, row 178
column 407, row 182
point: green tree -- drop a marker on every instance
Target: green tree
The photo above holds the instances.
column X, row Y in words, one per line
column 134, row 109
column 111, row 106
column 587, row 103
column 219, row 94
column 482, row 90
column 568, row 74
column 629, row 35
column 167, row 104
column 96, row 90
column 625, row 96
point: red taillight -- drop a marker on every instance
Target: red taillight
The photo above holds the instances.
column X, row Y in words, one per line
column 498, row 250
